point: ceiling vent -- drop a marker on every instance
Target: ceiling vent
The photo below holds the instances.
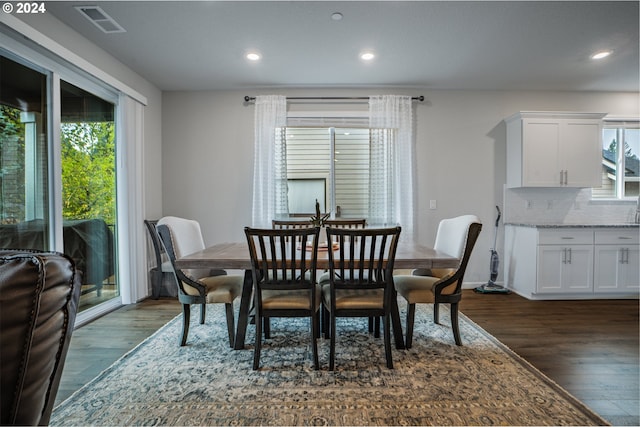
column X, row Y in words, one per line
column 100, row 19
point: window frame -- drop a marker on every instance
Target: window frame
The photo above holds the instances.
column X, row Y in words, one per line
column 619, row 124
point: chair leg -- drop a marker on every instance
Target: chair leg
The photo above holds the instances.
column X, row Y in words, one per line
column 315, row 331
column 387, row 340
column 436, row 313
column 258, row 343
column 332, row 342
column 325, row 322
column 318, row 323
column 156, row 282
column 203, row 312
column 374, row 326
column 267, row 328
column 454, row 323
column 186, row 316
column 411, row 314
column 230, row 323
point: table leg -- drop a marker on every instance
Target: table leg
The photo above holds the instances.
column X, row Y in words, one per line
column 243, row 315
column 395, row 319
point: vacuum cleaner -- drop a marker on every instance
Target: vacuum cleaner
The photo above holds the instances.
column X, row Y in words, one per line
column 491, row 287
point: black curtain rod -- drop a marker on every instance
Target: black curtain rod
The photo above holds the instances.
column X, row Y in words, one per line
column 330, row 98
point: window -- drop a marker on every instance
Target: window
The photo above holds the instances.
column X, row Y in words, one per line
column 620, row 160
column 330, row 164
column 87, row 158
column 368, row 163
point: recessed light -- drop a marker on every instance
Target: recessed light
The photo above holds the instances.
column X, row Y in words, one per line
column 600, row 55
column 367, row 56
column 337, row 16
column 252, row 56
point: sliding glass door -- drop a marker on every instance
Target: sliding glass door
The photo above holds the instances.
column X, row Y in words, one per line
column 79, row 219
column 24, row 157
column 88, row 159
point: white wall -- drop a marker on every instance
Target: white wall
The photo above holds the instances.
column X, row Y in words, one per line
column 208, row 143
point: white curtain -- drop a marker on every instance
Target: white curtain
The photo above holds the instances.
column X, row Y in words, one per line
column 270, row 160
column 392, row 163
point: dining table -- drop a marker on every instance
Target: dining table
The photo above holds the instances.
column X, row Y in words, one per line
column 235, row 256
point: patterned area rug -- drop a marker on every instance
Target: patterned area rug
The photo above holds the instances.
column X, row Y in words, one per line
column 434, row 383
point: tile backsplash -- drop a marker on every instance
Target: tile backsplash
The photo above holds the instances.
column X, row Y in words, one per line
column 564, row 206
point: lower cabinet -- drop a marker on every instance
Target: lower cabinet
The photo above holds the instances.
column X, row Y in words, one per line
column 617, row 262
column 565, row 269
column 572, row 263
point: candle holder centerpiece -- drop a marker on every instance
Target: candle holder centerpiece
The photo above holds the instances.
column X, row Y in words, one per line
column 318, row 219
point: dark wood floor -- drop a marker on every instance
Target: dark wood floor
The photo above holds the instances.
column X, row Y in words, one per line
column 591, row 348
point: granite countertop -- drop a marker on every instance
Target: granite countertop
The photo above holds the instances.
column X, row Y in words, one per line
column 619, row 225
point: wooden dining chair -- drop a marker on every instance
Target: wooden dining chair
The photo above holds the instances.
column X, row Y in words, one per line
column 456, row 237
column 281, row 224
column 346, row 223
column 162, row 265
column 374, row 322
column 360, row 279
column 283, row 263
column 181, row 237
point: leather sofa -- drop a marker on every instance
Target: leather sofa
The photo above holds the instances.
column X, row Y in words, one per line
column 39, row 293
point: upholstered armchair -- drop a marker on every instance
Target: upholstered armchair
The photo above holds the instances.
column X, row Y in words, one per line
column 181, row 236
column 39, row 293
column 457, row 237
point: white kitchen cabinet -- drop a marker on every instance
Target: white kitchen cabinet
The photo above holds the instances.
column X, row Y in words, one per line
column 565, row 269
column 558, row 262
column 565, row 261
column 554, row 149
column 617, row 261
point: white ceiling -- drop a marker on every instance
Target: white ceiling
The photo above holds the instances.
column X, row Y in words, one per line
column 503, row 45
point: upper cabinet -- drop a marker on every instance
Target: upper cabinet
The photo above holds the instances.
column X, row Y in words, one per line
column 554, row 149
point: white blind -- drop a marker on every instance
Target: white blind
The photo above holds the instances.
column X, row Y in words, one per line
column 309, row 156
column 352, row 172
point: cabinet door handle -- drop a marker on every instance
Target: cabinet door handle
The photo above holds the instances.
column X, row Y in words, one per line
column 624, row 238
column 624, row 255
column 564, row 177
column 567, row 238
column 569, row 262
